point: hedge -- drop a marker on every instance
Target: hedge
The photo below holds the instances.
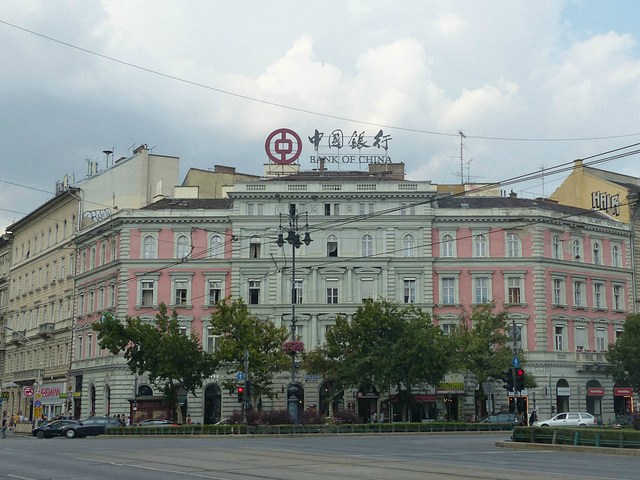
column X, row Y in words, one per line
column 585, row 436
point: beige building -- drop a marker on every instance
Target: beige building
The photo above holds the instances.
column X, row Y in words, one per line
column 214, row 184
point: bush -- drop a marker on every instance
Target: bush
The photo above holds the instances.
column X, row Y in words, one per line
column 346, row 416
column 276, row 417
column 312, row 418
column 636, row 421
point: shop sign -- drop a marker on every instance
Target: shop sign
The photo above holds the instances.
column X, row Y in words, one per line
column 606, row 202
column 564, row 391
column 595, row 392
column 452, row 383
column 623, row 392
column 50, row 393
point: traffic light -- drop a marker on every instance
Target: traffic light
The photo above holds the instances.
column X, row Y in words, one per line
column 240, row 394
column 519, row 379
column 507, row 378
column 248, row 385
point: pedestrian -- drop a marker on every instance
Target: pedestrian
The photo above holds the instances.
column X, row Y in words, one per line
column 189, row 419
column 381, row 419
column 4, row 427
column 128, row 421
column 533, row 417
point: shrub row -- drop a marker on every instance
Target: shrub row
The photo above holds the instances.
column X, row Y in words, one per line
column 599, row 437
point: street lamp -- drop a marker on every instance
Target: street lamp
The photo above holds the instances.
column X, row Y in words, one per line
column 293, row 238
column 39, row 378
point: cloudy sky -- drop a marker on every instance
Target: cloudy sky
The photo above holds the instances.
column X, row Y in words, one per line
column 532, row 84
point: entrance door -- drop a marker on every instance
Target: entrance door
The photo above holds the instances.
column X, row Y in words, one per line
column 212, row 405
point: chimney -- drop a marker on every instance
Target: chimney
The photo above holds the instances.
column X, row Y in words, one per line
column 513, row 194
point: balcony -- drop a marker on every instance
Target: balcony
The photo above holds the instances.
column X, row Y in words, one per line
column 18, row 338
column 31, row 375
column 46, row 329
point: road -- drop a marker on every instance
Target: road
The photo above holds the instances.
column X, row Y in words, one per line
column 424, row 457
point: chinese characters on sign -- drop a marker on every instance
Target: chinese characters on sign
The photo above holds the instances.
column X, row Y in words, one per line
column 357, row 141
column 606, row 202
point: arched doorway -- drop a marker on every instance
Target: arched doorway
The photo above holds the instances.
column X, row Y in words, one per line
column 212, row 405
column 328, row 396
column 107, row 394
column 562, row 396
column 145, row 391
column 295, row 400
column 182, row 401
column 595, row 392
column 367, row 403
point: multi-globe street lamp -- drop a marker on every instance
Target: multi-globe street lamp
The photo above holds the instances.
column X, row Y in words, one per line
column 293, row 215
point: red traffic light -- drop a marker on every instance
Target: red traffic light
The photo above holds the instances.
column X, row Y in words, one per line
column 519, row 372
column 240, row 389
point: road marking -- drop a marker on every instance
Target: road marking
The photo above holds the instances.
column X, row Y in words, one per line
column 18, row 476
column 131, row 465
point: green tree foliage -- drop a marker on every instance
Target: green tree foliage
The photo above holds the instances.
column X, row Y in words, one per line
column 238, row 328
column 624, row 355
column 384, row 346
column 171, row 359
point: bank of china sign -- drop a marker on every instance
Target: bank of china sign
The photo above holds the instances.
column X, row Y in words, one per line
column 284, row 146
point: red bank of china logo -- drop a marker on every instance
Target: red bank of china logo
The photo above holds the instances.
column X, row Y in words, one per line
column 283, row 146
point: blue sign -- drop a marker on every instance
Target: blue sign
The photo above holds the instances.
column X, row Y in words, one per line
column 37, row 403
column 241, row 376
column 515, row 362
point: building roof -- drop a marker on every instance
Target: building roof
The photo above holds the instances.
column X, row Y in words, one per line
column 323, row 176
column 191, row 203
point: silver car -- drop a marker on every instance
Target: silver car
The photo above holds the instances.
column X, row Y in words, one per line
column 569, row 419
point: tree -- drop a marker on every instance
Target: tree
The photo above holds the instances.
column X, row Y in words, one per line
column 386, row 345
column 158, row 349
column 624, row 355
column 239, row 329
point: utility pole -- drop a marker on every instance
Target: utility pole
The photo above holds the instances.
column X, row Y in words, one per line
column 462, row 137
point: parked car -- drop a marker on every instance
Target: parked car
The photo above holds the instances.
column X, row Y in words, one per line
column 53, row 429
column 157, row 422
column 569, row 419
column 92, row 426
column 511, row 418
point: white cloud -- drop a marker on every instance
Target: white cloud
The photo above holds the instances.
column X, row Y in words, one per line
column 449, row 24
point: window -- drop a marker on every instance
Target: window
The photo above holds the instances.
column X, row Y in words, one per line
column 555, row 248
column 601, row 339
column 449, row 291
column 183, row 247
column 577, row 250
column 62, row 262
column 211, row 342
column 149, row 247
column 215, row 247
column 615, row 256
column 367, row 289
column 513, row 246
column 112, row 294
column 332, row 291
column 254, row 247
column 83, row 262
column 598, row 296
column 332, row 246
column 618, row 300
column 100, row 298
column 254, row 292
column 81, row 306
column 91, row 301
column 581, row 338
column 181, row 292
column 407, row 209
column 559, row 338
column 447, row 245
column 365, row 208
column 215, row 291
column 332, row 209
column 578, row 292
column 480, row 246
column 409, row 246
column 597, row 254
column 255, row 209
column 297, row 292
column 146, row 293
column 103, row 254
column 114, row 248
column 481, row 288
column 92, row 259
column 79, row 347
column 514, row 290
column 558, row 291
column 367, row 245
column 409, row 290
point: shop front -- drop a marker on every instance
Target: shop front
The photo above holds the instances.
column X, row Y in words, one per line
column 450, row 398
column 563, row 394
column 595, row 392
column 623, row 401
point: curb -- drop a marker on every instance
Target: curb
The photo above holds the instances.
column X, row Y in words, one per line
column 628, row 452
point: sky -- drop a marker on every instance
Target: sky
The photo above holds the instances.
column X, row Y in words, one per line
column 531, row 85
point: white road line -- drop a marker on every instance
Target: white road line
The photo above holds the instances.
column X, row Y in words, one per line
column 18, row 476
column 131, row 465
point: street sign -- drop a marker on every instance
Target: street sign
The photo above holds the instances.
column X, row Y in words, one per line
column 28, row 392
column 37, row 403
column 241, row 376
column 515, row 362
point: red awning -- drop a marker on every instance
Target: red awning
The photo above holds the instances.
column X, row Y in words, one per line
column 418, row 398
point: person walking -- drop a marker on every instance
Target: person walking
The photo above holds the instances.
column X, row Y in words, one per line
column 4, row 427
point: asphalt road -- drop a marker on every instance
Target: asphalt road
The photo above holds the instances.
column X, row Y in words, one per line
column 424, row 457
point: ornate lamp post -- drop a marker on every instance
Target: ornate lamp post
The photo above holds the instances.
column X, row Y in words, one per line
column 293, row 238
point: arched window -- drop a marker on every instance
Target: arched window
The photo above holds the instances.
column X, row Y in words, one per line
column 447, row 245
column 114, row 248
column 332, row 246
column 513, row 246
column 597, row 254
column 83, row 262
column 92, row 259
column 367, row 245
column 480, row 246
column 555, row 245
column 149, row 247
column 57, row 228
column 182, row 247
column 215, row 247
column 615, row 256
column 577, row 250
column 254, row 247
column 409, row 245
column 103, row 254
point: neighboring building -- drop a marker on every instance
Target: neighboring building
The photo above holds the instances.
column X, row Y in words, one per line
column 610, row 192
column 5, row 266
column 213, row 184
